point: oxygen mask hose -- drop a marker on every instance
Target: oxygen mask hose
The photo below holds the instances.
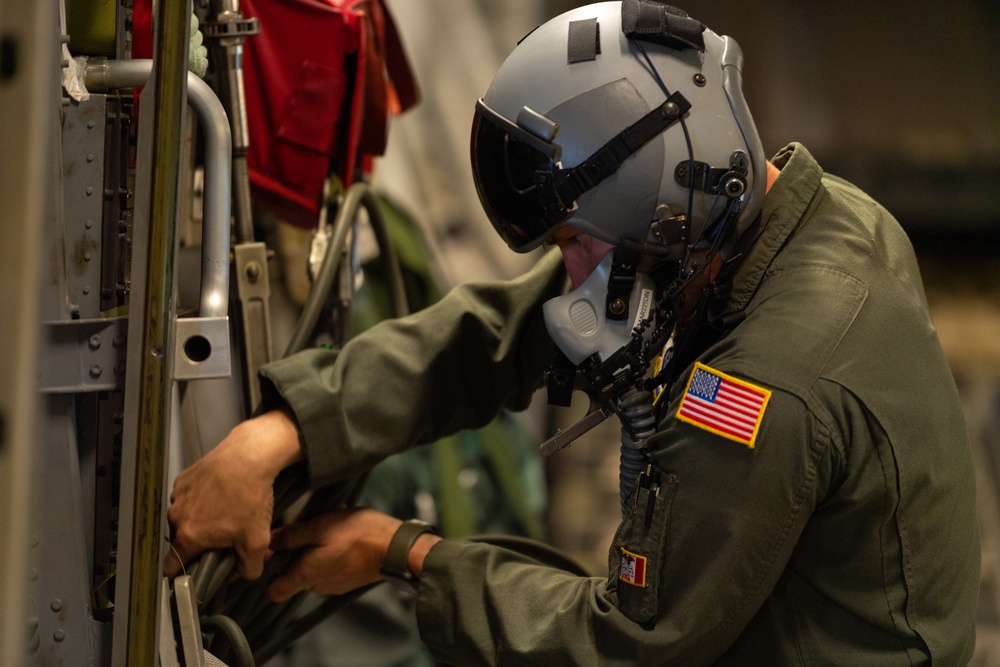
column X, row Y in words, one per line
column 635, row 409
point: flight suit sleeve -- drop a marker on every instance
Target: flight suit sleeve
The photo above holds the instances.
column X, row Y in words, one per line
column 412, row 380
column 697, row 555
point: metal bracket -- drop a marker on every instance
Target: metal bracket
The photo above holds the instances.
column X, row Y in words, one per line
column 253, row 287
column 201, row 348
column 731, row 181
column 168, row 642
column 187, row 622
column 230, row 26
column 669, row 227
column 83, row 356
column 564, row 437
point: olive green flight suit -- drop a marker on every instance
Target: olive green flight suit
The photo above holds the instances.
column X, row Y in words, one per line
column 847, row 535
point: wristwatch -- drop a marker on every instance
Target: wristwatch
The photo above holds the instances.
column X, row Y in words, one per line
column 395, row 566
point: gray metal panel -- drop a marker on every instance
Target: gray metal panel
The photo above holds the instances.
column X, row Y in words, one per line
column 83, row 192
column 60, row 586
column 83, row 356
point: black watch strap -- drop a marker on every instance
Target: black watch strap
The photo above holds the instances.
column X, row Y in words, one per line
column 395, row 565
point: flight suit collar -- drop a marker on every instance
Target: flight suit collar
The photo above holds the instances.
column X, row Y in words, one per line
column 787, row 203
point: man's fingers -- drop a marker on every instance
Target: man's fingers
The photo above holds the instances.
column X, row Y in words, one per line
column 171, row 564
column 181, row 550
column 289, row 583
column 295, row 536
column 250, row 565
column 251, row 553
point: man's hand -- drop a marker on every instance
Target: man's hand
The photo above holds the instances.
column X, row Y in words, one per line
column 341, row 551
column 226, row 499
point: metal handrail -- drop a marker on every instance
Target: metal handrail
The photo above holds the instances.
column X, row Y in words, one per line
column 105, row 75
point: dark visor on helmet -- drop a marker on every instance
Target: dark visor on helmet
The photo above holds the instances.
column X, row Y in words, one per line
column 524, row 189
column 513, row 170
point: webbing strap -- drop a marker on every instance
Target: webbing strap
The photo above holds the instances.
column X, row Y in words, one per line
column 560, row 380
column 573, row 182
column 625, row 262
column 660, row 23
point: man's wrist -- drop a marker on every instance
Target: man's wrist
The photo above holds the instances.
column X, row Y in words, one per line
column 281, row 444
column 418, row 552
column 401, row 563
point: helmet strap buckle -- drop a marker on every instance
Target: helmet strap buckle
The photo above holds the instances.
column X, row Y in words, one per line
column 624, row 264
column 669, row 227
column 729, row 181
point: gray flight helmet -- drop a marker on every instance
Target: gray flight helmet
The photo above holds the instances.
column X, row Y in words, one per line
column 576, row 130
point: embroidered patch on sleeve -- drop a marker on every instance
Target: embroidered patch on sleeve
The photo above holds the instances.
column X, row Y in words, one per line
column 633, row 569
column 723, row 405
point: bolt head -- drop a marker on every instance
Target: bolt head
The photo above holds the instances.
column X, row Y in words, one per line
column 253, row 271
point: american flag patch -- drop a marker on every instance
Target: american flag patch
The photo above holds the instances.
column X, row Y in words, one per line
column 723, row 405
column 633, row 569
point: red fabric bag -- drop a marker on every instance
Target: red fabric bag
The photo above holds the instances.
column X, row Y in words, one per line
column 321, row 79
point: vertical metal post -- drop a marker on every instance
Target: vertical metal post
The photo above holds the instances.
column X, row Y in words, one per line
column 228, row 34
column 29, row 95
column 172, row 22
